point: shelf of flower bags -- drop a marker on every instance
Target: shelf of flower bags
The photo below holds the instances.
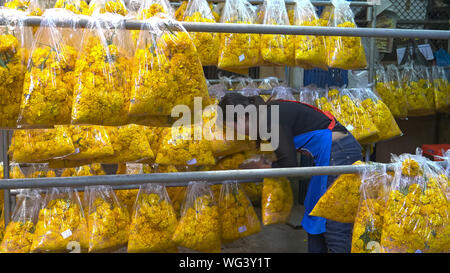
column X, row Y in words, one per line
column 270, row 29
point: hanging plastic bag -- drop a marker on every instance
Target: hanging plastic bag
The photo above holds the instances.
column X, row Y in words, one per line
column 277, row 49
column 39, row 170
column 150, row 8
column 206, row 43
column 179, row 147
column 19, row 231
column 107, row 6
column 381, row 116
column 441, row 89
column 277, row 200
column 14, row 41
column 61, row 220
column 282, row 92
column 390, row 89
column 128, row 197
column 130, row 144
column 340, row 201
column 415, row 92
column 108, row 220
column 426, row 83
column 89, row 142
column 49, row 80
column 199, row 227
column 75, row 6
column 344, row 52
column 154, row 221
column 237, row 215
column 103, row 73
column 416, row 214
column 36, row 145
column 310, row 51
column 179, row 13
column 239, row 50
column 368, row 224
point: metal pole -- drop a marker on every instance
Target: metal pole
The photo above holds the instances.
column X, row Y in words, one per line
column 7, row 196
column 316, row 3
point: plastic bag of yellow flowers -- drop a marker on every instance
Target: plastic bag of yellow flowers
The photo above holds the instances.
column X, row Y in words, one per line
column 310, row 51
column 61, row 220
column 154, row 221
column 36, row 145
column 166, row 70
column 441, row 89
column 75, row 6
column 277, row 49
column 19, row 231
column 277, row 200
column 128, row 197
column 237, row 215
column 207, row 43
column 379, row 113
column 340, row 201
column 416, row 216
column 103, row 73
column 344, row 52
column 239, row 50
column 108, row 220
column 199, row 227
column 389, row 87
column 368, row 225
column 183, row 145
column 107, row 6
column 89, row 142
column 50, row 78
column 15, row 40
column 417, row 90
column 130, row 144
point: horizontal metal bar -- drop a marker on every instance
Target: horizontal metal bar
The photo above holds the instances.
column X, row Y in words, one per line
column 422, row 22
column 183, row 178
column 289, row 2
column 275, row 29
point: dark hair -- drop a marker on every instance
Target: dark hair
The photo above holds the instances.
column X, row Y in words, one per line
column 238, row 99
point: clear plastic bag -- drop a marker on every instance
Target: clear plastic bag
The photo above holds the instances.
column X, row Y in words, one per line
column 153, row 222
column 277, row 49
column 381, row 116
column 390, row 89
column 166, row 71
column 19, row 231
column 344, row 52
column 39, row 170
column 282, row 92
column 206, row 43
column 108, row 220
column 128, row 197
column 103, row 73
column 75, row 6
column 415, row 89
column 50, row 78
column 441, row 89
column 237, row 215
column 416, row 215
column 179, row 13
column 310, row 51
column 239, row 50
column 150, row 8
column 199, row 227
column 130, row 144
column 107, row 6
column 277, row 200
column 36, row 145
column 340, row 201
column 89, row 142
column 61, row 220
column 14, row 44
column 426, row 83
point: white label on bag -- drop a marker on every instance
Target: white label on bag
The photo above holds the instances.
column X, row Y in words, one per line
column 66, row 234
column 241, row 58
column 350, row 127
column 192, row 161
column 242, row 229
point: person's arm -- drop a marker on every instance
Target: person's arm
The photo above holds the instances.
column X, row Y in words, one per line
column 286, row 152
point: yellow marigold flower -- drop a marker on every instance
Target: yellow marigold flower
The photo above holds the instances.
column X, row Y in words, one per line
column 75, row 6
column 410, row 167
column 393, row 96
column 108, row 6
column 418, row 90
column 18, row 4
column 89, row 142
column 277, row 200
column 340, row 201
column 179, row 13
column 18, row 237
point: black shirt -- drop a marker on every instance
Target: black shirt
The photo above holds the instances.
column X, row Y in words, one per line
column 295, row 119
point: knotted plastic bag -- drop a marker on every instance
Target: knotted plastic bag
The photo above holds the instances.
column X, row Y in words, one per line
column 50, row 78
column 61, row 220
column 15, row 40
column 416, row 89
column 36, row 145
column 378, row 111
column 166, row 72
column 310, row 51
column 282, row 92
column 130, row 144
column 237, row 214
column 199, row 227
column 344, row 52
column 277, row 200
column 239, row 50
column 19, row 231
column 103, row 73
column 107, row 6
column 207, row 43
column 390, row 89
column 153, row 222
column 277, row 49
column 340, row 202
column 441, row 89
column 108, row 220
column 89, row 142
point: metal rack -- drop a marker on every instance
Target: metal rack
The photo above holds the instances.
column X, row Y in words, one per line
column 251, row 175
